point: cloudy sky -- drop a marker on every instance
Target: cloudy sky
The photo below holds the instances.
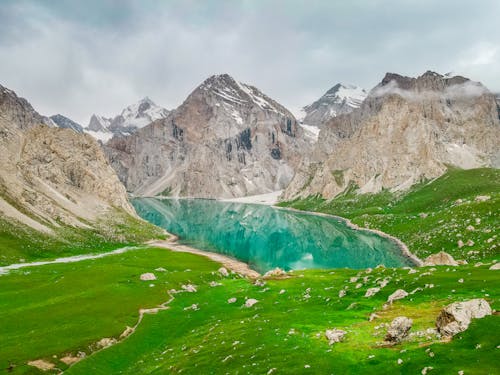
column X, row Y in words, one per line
column 97, row 56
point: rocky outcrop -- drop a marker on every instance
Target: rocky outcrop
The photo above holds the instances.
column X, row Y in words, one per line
column 334, row 335
column 226, row 140
column 398, row 329
column 406, row 130
column 52, row 176
column 455, row 318
column 340, row 99
column 440, row 259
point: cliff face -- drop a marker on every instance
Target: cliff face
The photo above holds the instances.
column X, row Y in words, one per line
column 406, row 130
column 52, row 176
column 227, row 139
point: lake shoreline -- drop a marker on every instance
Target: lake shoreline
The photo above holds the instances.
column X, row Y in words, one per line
column 232, row 264
column 402, row 246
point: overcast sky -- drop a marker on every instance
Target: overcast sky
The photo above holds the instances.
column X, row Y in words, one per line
column 97, row 56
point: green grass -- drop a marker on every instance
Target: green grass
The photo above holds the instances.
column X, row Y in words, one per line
column 428, row 218
column 20, row 243
column 67, row 307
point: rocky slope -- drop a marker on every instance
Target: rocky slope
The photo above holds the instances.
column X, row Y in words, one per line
column 406, row 130
column 133, row 117
column 66, row 123
column 227, row 139
column 51, row 176
column 340, row 99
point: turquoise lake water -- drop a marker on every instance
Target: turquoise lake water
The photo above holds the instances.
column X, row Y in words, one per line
column 266, row 237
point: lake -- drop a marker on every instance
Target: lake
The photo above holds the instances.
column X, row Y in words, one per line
column 267, row 237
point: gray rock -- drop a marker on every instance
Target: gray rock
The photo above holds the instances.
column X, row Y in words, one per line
column 440, row 259
column 334, row 335
column 398, row 329
column 398, row 294
column 455, row 318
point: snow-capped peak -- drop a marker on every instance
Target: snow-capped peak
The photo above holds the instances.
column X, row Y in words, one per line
column 238, row 93
column 341, row 98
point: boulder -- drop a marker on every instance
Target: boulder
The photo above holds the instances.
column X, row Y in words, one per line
column 250, row 302
column 148, row 276
column 482, row 198
column 231, row 300
column 189, row 288
column 455, row 318
column 496, row 266
column 398, row 294
column 398, row 329
column 440, row 259
column 371, row 292
column 334, row 335
column 223, row 271
column 276, row 273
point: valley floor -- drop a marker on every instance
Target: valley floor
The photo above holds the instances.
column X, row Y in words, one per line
column 75, row 317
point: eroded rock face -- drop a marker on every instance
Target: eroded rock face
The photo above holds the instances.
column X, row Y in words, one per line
column 226, row 140
column 398, row 329
column 455, row 318
column 440, row 259
column 53, row 175
column 406, row 130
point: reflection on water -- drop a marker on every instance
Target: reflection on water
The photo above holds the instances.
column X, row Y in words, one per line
column 265, row 237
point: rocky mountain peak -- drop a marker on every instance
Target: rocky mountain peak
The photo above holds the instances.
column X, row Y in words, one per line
column 340, row 99
column 66, row 123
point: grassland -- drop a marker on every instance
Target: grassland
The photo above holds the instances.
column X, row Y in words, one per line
column 20, row 243
column 67, row 308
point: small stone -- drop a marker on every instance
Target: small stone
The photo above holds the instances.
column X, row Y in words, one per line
column 160, row 269
column 470, row 243
column 250, row 302
column 223, row 271
column 461, row 281
column 423, row 215
column 275, row 273
column 282, row 291
column 460, row 243
column 400, row 361
column 342, row 293
column 482, row 198
column 148, row 276
column 425, row 370
column 470, row 228
column 189, row 288
column 496, row 266
column 371, row 292
column 398, row 294
column 334, row 335
column 231, row 300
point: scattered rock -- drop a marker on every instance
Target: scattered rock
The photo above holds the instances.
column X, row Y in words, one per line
column 400, row 361
column 470, row 243
column 193, row 307
column 440, row 259
column 372, row 317
column 160, row 269
column 461, row 281
column 223, row 271
column 496, row 266
column 482, row 198
column 214, row 284
column 69, row 360
column 189, row 288
column 371, row 292
column 342, row 293
column 455, row 318
column 470, row 228
column 250, row 302
column 423, row 215
column 412, row 271
column 398, row 329
column 148, row 276
column 354, row 279
column 231, row 300
column 276, row 273
column 127, row 332
column 460, row 244
column 282, row 291
column 334, row 335
column 427, row 369
column 42, row 365
column 398, row 294
column 259, row 283
column 105, row 342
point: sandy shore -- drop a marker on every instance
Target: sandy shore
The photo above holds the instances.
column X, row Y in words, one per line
column 230, row 263
column 267, row 199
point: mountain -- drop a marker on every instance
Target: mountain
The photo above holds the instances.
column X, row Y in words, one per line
column 66, row 123
column 340, row 99
column 133, row 117
column 406, row 130
column 227, row 139
column 52, row 177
